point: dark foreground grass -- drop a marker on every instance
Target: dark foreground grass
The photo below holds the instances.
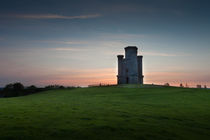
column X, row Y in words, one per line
column 108, row 113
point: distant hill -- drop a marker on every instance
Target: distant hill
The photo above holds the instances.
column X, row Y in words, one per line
column 108, row 113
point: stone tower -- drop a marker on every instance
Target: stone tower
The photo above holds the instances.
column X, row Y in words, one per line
column 130, row 67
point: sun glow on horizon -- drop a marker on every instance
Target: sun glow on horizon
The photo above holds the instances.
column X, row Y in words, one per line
column 107, row 76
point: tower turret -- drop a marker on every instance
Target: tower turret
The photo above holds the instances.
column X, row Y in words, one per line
column 131, row 65
column 140, row 68
column 120, row 69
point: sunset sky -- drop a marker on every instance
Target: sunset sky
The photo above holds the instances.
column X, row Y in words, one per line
column 76, row 42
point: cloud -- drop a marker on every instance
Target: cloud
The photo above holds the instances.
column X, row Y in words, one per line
column 121, row 36
column 53, row 16
column 69, row 49
column 115, row 52
column 164, row 54
column 65, row 42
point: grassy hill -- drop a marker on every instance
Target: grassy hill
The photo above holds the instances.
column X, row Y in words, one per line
column 108, row 113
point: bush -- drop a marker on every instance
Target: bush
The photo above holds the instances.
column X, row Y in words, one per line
column 49, row 87
column 199, row 86
column 167, row 84
column 31, row 89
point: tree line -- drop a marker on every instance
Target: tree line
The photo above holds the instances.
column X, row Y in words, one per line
column 18, row 89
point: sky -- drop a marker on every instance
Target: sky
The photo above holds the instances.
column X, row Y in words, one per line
column 76, row 42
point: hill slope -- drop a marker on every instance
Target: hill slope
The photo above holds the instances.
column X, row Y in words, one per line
column 108, row 113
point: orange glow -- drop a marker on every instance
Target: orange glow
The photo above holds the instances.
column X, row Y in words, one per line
column 175, row 78
column 86, row 77
column 83, row 77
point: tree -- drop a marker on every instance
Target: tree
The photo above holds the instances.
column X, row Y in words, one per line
column 1, row 93
column 12, row 90
column 181, row 85
column 186, row 85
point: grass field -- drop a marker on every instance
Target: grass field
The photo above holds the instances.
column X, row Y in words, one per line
column 108, row 113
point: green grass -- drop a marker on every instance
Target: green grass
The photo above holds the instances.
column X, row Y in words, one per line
column 108, row 113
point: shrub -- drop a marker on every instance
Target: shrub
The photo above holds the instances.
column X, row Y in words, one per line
column 167, row 84
column 31, row 89
column 199, row 86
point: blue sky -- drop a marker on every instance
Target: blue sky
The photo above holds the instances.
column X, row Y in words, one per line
column 75, row 42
